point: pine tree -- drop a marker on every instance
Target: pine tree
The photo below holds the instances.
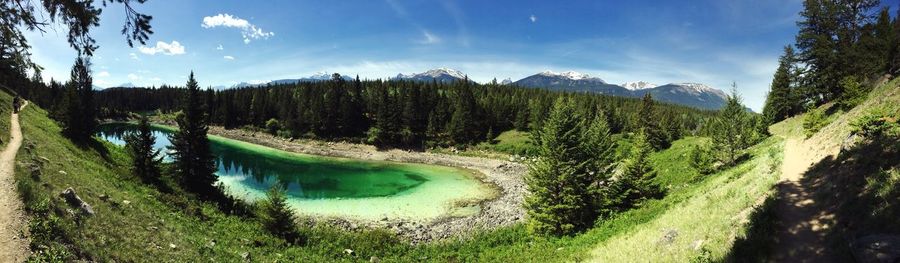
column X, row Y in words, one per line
column 276, row 216
column 648, row 123
column 636, row 181
column 145, row 160
column 733, row 130
column 600, row 149
column 81, row 115
column 463, row 126
column 781, row 101
column 559, row 181
column 193, row 160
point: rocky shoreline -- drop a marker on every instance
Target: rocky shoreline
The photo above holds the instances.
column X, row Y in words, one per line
column 507, row 177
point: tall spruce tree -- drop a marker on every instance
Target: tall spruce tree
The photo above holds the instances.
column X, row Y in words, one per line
column 636, row 181
column 733, row 130
column 81, row 114
column 463, row 126
column 193, row 160
column 782, row 102
column 559, row 181
column 145, row 160
column 648, row 123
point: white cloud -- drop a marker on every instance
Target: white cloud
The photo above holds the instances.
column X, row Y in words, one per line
column 248, row 30
column 429, row 38
column 133, row 77
column 229, row 57
column 133, row 56
column 102, row 74
column 220, row 47
column 533, row 18
column 164, row 48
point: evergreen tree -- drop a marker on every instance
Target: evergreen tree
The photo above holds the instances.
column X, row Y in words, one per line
column 781, row 101
column 81, row 115
column 276, row 216
column 145, row 160
column 636, row 181
column 600, row 149
column 193, row 161
column 648, row 123
column 733, row 130
column 559, row 181
column 463, row 126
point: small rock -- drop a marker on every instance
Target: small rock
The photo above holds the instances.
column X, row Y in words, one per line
column 697, row 245
column 172, row 246
column 374, row 259
column 126, row 202
column 349, row 252
column 63, row 172
column 669, row 236
column 559, row 249
column 103, row 197
column 876, row 248
column 45, row 159
column 245, row 256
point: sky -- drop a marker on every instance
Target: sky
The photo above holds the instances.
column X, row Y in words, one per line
column 713, row 42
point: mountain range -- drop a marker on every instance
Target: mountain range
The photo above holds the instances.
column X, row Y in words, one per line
column 688, row 94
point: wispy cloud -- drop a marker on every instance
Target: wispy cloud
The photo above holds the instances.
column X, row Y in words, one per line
column 228, row 57
column 133, row 56
column 248, row 31
column 102, row 74
column 458, row 18
column 533, row 18
column 220, row 47
column 429, row 38
column 164, row 48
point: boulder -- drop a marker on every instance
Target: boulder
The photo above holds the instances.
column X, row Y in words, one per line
column 74, row 200
column 876, row 248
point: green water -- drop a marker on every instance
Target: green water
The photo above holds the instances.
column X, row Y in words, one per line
column 334, row 186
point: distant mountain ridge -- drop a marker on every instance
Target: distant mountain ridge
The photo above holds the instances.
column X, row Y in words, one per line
column 443, row 75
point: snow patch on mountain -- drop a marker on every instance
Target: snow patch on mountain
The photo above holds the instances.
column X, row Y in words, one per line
column 572, row 75
column 638, row 85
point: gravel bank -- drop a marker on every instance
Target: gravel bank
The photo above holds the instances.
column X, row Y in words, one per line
column 503, row 210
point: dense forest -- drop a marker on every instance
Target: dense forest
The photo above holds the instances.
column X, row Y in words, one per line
column 404, row 114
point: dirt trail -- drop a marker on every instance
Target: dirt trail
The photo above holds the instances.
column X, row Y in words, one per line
column 13, row 242
column 802, row 223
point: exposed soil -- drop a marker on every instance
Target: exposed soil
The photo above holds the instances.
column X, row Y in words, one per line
column 13, row 240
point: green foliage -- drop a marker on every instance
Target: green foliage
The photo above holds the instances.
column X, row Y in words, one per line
column 193, row 161
column 734, row 130
column 272, row 126
column 80, row 116
column 145, row 159
column 276, row 216
column 649, row 124
column 511, row 142
column 854, row 93
column 875, row 124
column 636, row 183
column 702, row 159
column 814, row 120
column 565, row 180
column 782, row 100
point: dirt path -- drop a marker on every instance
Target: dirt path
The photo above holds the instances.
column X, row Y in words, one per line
column 802, row 223
column 13, row 243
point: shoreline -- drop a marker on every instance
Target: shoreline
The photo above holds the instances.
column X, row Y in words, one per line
column 507, row 179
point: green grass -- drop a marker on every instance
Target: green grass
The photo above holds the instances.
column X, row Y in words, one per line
column 713, row 213
column 510, row 142
column 673, row 165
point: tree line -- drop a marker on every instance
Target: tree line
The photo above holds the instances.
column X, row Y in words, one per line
column 405, row 114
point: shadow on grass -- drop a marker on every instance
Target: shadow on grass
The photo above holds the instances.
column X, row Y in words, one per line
column 756, row 245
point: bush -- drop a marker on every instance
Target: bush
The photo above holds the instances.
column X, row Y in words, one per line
column 272, row 126
column 276, row 217
column 854, row 93
column 876, row 124
column 702, row 159
column 814, row 121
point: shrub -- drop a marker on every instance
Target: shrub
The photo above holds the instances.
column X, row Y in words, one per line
column 702, row 159
column 276, row 217
column 272, row 126
column 854, row 93
column 814, row 121
column 876, row 124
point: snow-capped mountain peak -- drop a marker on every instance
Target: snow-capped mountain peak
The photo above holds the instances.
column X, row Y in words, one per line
column 567, row 74
column 638, row 85
column 697, row 87
column 506, row 81
column 434, row 73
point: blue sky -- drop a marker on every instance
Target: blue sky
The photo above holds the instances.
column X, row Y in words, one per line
column 714, row 42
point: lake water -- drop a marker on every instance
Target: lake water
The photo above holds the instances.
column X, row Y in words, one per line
column 338, row 187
